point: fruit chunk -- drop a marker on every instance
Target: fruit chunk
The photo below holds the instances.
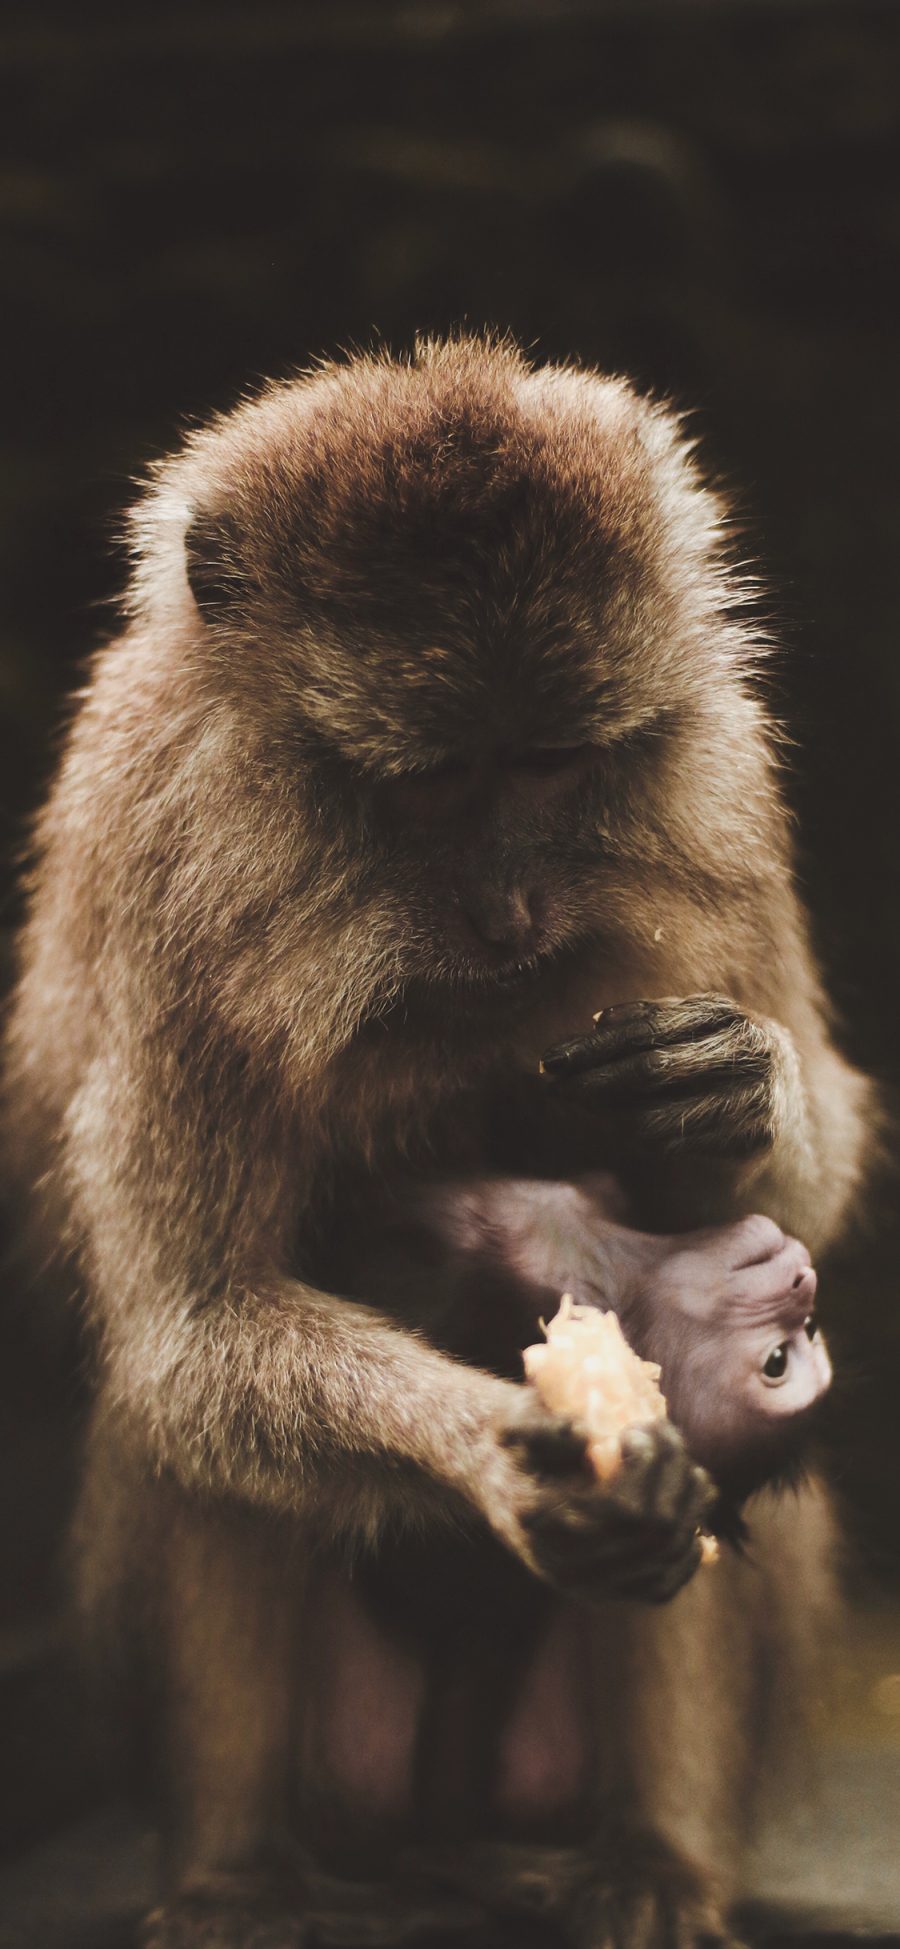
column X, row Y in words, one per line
column 586, row 1370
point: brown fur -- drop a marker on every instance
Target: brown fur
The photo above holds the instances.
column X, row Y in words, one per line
column 237, row 997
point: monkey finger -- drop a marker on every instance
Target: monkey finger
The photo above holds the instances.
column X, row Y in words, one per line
column 631, row 1027
column 713, row 1067
column 642, row 1452
column 659, row 1499
column 573, row 1513
column 737, row 1124
column 650, row 1561
column 618, row 1560
column 679, row 1491
column 658, row 1583
column 658, row 1480
column 552, row 1446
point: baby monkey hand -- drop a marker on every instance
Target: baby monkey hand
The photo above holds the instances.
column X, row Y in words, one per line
column 634, row 1535
column 696, row 1075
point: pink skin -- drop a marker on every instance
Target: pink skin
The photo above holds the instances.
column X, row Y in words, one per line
column 363, row 1724
column 363, row 1733
column 544, row 1757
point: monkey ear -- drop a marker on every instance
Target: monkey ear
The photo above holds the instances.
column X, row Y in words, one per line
column 212, row 560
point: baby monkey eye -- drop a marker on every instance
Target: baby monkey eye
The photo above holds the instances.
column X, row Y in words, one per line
column 776, row 1366
column 811, row 1326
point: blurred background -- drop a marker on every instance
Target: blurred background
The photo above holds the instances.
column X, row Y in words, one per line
column 705, row 196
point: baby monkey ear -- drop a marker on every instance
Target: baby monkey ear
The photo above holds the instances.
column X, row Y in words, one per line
column 213, row 561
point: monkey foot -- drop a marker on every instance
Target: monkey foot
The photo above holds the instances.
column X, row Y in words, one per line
column 656, row 1901
column 196, row 1923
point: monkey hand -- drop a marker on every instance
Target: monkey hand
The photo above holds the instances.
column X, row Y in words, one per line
column 697, row 1074
column 634, row 1536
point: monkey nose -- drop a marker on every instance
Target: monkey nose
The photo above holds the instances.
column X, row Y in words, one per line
column 803, row 1293
column 502, row 921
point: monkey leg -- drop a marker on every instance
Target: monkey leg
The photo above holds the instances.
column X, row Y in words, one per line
column 556, row 1773
column 193, row 1608
column 619, row 1707
column 499, row 1727
column 228, row 1609
column 449, row 1702
column 710, row 1702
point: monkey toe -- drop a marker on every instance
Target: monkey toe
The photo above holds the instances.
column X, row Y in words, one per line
column 195, row 1923
column 657, row 1902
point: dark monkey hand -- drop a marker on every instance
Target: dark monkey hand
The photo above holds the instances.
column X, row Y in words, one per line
column 634, row 1535
column 692, row 1075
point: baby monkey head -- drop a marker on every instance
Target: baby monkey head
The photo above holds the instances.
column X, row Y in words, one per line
column 759, row 1376
column 473, row 607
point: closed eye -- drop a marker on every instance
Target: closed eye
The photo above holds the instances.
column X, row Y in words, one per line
column 439, row 774
column 547, row 758
column 435, row 794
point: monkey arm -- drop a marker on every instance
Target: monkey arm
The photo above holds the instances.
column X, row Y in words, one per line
column 295, row 1399
column 825, row 1130
column 244, row 1381
column 239, row 1378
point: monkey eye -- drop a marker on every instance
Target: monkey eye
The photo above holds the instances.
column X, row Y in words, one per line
column 811, row 1326
column 776, row 1366
column 449, row 768
column 547, row 758
column 433, row 794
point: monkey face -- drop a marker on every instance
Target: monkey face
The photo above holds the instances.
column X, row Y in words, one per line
column 487, row 848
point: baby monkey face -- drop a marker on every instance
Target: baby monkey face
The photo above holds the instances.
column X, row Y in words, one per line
column 784, row 1364
column 755, row 1421
column 755, row 1363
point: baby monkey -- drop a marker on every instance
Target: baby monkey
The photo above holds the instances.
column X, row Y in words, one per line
column 727, row 1311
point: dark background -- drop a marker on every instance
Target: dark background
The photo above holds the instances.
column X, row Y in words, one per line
column 704, row 196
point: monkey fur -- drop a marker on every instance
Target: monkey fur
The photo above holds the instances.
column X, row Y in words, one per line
column 433, row 729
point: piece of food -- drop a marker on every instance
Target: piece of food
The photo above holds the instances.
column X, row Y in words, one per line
column 585, row 1369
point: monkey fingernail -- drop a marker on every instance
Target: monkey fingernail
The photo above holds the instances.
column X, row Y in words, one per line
column 561, row 1059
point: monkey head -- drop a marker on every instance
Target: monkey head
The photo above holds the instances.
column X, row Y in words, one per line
column 472, row 611
column 745, row 1384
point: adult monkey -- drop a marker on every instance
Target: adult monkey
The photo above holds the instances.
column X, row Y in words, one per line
column 430, row 734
